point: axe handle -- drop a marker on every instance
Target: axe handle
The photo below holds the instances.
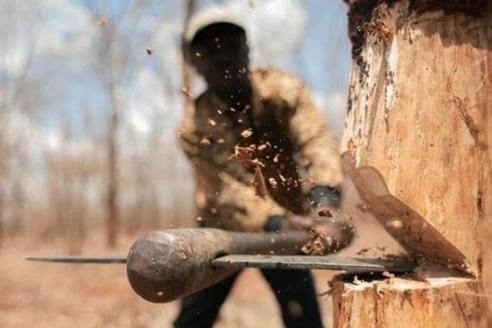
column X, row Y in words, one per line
column 167, row 265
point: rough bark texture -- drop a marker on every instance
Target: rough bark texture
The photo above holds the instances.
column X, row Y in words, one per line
column 419, row 112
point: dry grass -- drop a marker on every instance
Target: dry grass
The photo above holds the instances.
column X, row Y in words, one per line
column 65, row 295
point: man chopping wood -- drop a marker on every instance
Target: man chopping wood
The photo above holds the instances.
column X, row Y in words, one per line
column 263, row 160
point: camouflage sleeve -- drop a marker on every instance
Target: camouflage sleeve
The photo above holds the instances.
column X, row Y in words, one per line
column 241, row 209
column 317, row 148
column 237, row 205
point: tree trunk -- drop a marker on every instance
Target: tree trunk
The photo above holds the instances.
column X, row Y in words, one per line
column 1, row 213
column 419, row 112
column 113, row 218
column 187, row 92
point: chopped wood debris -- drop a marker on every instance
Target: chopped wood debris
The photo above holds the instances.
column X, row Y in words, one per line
column 247, row 133
column 325, row 212
column 259, row 183
column 320, row 244
column 264, row 146
column 388, row 274
column 243, row 155
column 185, row 89
column 357, row 281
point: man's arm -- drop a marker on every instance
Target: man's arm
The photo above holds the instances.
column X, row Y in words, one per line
column 242, row 210
column 317, row 148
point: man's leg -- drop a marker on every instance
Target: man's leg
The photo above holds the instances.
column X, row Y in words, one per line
column 200, row 309
column 296, row 295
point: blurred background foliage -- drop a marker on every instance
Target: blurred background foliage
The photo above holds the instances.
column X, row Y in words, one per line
column 90, row 97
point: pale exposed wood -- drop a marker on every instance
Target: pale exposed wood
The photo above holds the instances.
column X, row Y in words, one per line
column 419, row 113
column 442, row 302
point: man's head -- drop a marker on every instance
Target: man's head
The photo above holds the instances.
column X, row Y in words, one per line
column 219, row 51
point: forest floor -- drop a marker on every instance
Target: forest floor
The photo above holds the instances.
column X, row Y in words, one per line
column 68, row 295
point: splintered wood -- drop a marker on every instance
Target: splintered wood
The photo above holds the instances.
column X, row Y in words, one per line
column 438, row 302
column 244, row 156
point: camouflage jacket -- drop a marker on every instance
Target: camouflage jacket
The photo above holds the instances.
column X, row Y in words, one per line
column 287, row 143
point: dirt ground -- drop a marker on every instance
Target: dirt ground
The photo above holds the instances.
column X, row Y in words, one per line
column 67, row 295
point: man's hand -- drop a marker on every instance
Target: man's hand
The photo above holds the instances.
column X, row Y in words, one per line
column 331, row 229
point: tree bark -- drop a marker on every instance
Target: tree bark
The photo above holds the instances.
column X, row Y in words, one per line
column 419, row 112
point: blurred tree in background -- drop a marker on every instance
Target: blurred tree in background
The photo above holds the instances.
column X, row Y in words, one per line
column 90, row 97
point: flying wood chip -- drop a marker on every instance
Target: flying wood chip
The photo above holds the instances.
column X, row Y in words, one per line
column 243, row 155
column 247, row 133
column 259, row 183
column 185, row 89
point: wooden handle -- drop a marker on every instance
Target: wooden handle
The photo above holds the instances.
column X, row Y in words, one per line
column 167, row 265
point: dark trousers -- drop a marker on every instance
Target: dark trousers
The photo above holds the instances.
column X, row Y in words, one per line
column 294, row 290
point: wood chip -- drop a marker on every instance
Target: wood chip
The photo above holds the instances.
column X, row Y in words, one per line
column 247, row 133
column 185, row 89
column 325, row 212
column 264, row 146
column 243, row 155
column 205, row 142
column 388, row 274
column 259, row 183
